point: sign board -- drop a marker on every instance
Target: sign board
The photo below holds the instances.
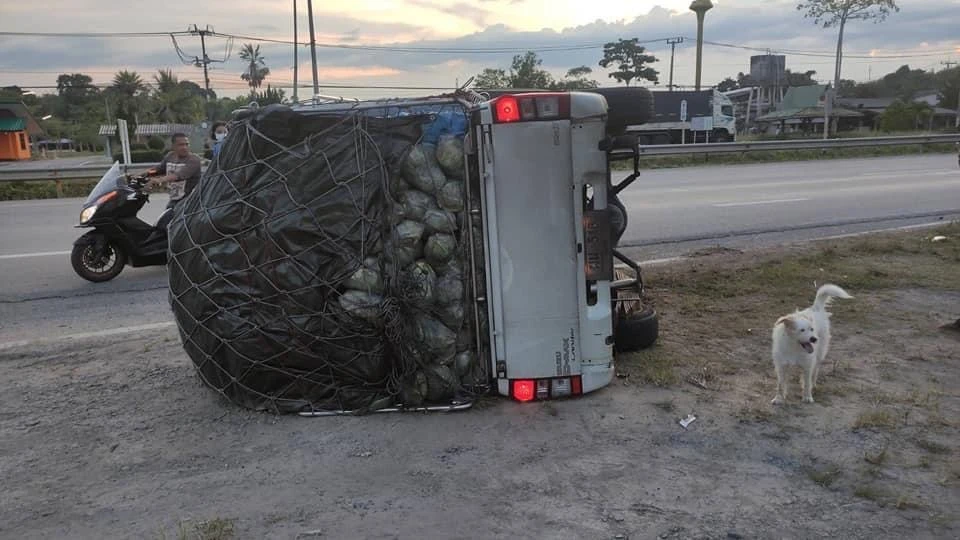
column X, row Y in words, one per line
column 702, row 123
column 683, row 111
column 124, row 140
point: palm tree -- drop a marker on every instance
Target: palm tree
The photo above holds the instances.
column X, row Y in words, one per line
column 176, row 100
column 129, row 90
column 257, row 69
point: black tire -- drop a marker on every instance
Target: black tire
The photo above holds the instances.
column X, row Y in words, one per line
column 627, row 106
column 106, row 267
column 636, row 331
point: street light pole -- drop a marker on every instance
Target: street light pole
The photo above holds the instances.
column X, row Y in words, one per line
column 313, row 48
column 296, row 63
column 700, row 7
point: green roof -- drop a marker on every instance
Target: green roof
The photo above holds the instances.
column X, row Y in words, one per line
column 12, row 124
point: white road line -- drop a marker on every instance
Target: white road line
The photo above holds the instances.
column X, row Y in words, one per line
column 754, row 203
column 86, row 335
column 38, row 254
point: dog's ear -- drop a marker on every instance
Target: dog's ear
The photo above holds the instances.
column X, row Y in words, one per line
column 788, row 322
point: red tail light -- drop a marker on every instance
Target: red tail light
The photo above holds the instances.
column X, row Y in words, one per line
column 523, row 390
column 508, row 110
column 577, row 386
column 531, row 107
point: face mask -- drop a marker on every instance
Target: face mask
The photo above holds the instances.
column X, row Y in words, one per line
column 220, row 136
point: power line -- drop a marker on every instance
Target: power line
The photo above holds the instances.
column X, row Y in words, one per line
column 828, row 54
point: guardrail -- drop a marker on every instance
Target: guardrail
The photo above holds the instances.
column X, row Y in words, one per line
column 76, row 172
column 83, row 172
column 798, row 144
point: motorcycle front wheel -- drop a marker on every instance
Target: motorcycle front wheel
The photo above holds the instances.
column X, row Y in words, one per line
column 98, row 267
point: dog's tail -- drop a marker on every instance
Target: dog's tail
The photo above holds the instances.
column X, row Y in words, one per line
column 825, row 294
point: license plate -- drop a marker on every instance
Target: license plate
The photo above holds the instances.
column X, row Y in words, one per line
column 598, row 251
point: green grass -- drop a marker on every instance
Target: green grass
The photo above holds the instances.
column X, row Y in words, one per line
column 21, row 191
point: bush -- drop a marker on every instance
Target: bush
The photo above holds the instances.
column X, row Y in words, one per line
column 142, row 156
column 156, row 143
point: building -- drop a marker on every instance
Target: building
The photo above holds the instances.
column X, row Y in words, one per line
column 17, row 126
column 803, row 109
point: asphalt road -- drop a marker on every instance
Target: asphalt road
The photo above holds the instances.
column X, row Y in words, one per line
column 671, row 212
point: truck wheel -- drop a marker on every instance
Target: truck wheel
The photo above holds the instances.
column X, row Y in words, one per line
column 636, row 331
column 628, row 106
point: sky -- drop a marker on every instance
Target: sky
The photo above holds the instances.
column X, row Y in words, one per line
column 459, row 35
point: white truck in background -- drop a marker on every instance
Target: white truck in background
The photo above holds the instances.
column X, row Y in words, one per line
column 686, row 117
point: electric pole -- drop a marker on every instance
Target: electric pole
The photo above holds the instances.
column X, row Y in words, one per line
column 295, row 47
column 313, row 49
column 673, row 46
column 957, row 121
column 202, row 61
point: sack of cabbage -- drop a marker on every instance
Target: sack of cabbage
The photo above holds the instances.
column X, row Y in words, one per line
column 424, row 263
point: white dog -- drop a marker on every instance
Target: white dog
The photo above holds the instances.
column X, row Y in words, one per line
column 802, row 339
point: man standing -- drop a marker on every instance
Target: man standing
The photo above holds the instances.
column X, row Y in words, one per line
column 181, row 170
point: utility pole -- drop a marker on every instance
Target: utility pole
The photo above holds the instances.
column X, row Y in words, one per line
column 205, row 60
column 673, row 46
column 313, row 48
column 296, row 63
column 957, row 121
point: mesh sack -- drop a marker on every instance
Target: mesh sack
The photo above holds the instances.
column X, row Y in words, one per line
column 297, row 272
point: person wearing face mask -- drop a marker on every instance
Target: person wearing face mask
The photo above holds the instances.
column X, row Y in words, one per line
column 218, row 134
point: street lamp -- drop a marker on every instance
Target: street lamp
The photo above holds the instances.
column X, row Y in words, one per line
column 700, row 7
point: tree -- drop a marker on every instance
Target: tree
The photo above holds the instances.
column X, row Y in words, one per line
column 257, row 69
column 836, row 13
column 177, row 101
column 727, row 85
column 629, row 60
column 490, row 78
column 905, row 116
column 525, row 72
column 799, row 79
column 576, row 79
column 268, row 97
column 948, row 88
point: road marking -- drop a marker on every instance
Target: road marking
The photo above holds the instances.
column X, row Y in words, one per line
column 38, row 254
column 753, row 203
column 86, row 335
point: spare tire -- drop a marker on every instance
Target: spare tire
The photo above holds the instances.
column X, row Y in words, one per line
column 636, row 331
column 627, row 106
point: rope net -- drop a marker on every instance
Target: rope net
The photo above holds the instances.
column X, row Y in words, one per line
column 324, row 261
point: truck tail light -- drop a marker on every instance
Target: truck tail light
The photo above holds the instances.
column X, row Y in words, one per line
column 524, row 390
column 531, row 107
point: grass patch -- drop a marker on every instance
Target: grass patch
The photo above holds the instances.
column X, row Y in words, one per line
column 879, row 419
column 871, row 493
column 21, row 191
column 905, row 502
column 876, row 458
column 699, row 160
column 825, row 477
column 214, row 529
column 651, row 366
column 933, row 447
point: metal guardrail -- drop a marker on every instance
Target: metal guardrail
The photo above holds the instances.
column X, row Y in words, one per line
column 76, row 172
column 82, row 172
column 798, row 144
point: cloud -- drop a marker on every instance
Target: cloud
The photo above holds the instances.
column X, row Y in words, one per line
column 461, row 10
column 427, row 23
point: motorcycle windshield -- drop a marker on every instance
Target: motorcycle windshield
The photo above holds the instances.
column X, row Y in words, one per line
column 113, row 179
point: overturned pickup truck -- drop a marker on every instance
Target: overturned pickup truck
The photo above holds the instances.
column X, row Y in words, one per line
column 409, row 254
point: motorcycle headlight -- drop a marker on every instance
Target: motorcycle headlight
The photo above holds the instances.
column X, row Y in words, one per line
column 87, row 214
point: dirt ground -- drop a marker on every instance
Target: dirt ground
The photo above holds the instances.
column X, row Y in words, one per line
column 120, row 440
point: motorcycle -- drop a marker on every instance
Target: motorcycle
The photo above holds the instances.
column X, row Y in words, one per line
column 118, row 237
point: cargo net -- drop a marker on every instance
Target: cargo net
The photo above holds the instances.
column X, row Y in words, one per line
column 323, row 263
